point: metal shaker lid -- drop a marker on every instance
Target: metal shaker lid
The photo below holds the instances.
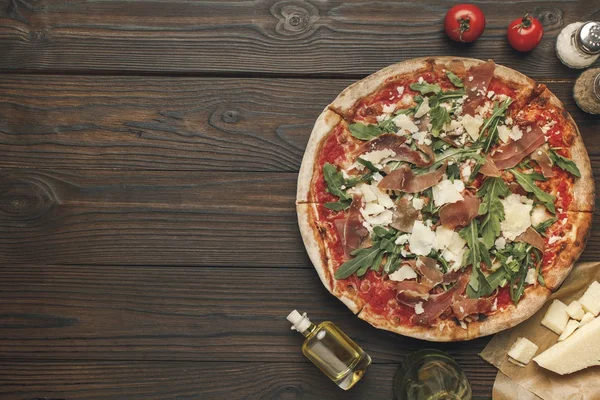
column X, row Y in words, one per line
column 588, row 37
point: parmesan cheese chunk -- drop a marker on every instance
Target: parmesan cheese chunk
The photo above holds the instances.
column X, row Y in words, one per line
column 523, row 350
column 556, row 317
column 539, row 214
column 367, row 192
column 569, row 329
column 581, row 350
column 423, row 108
column 575, row 310
column 590, row 301
column 403, row 121
column 503, row 133
column 419, row 308
column 403, row 273
column 377, row 155
column 448, row 192
column 422, row 239
column 472, row 125
column 588, row 317
column 517, row 218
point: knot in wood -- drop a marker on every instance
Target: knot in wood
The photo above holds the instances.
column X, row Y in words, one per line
column 295, row 17
column 230, row 117
column 550, row 17
column 24, row 199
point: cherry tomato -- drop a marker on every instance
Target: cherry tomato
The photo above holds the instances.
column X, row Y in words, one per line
column 524, row 34
column 464, row 23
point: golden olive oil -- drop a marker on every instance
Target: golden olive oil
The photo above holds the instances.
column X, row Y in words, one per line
column 334, row 353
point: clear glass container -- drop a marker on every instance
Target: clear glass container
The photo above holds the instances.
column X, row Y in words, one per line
column 334, row 353
column 431, row 375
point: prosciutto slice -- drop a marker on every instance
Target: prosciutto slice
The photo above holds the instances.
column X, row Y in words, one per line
column 422, row 158
column 509, row 155
column 532, row 237
column 404, row 180
column 463, row 306
column 412, row 290
column 489, row 168
column 476, row 88
column 426, row 267
column 437, row 304
column 351, row 230
column 405, row 215
column 388, row 141
column 540, row 156
column 461, row 213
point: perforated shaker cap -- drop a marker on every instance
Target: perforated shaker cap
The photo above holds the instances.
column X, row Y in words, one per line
column 299, row 321
column 588, row 37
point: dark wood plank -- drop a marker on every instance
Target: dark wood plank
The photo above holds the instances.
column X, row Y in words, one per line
column 156, row 218
column 283, row 37
column 176, row 123
column 209, row 314
column 188, row 380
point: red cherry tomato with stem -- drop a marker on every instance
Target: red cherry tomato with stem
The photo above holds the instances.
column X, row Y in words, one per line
column 524, row 34
column 464, row 23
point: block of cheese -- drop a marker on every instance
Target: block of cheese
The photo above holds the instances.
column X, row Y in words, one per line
column 556, row 317
column 579, row 351
column 575, row 310
column 523, row 350
column 569, row 329
column 590, row 301
column 588, row 317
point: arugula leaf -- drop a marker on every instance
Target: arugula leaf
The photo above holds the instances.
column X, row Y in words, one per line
column 361, row 258
column 381, row 232
column 426, row 88
column 365, row 132
column 335, row 181
column 367, row 164
column 542, row 226
column 354, row 180
column 492, row 209
column 526, row 182
column 438, row 116
column 564, row 163
column 452, row 154
column 338, row 205
column 491, row 124
column 392, row 263
column 454, row 79
column 497, row 278
column 453, row 172
column 475, row 255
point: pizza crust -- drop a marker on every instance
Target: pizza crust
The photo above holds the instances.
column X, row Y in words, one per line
column 532, row 300
column 577, row 237
column 442, row 331
column 584, row 192
column 325, row 123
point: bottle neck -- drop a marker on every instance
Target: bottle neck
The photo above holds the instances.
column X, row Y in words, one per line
column 310, row 330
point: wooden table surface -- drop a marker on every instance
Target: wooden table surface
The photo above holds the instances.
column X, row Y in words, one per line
column 148, row 160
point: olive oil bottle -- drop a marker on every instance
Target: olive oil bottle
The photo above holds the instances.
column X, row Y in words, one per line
column 331, row 350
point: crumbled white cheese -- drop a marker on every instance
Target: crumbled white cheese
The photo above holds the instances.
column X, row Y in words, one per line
column 451, row 126
column 404, row 122
column 495, row 305
column 539, row 214
column 517, row 217
column 448, row 192
column 418, row 203
column 420, row 80
column 423, row 108
column 367, row 192
column 420, row 137
column 471, row 79
column 376, row 156
column 500, row 243
column 403, row 273
column 508, row 120
column 490, row 94
column 400, row 90
column 553, row 239
column 419, row 308
column 472, row 125
column 377, row 177
column 466, row 171
column 503, row 133
column 385, row 218
column 402, row 239
column 389, row 108
column 451, row 245
column 516, row 133
column 373, row 209
column 531, row 276
column 382, row 117
column 422, row 239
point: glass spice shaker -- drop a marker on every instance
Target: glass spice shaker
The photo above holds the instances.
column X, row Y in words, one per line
column 578, row 44
column 586, row 91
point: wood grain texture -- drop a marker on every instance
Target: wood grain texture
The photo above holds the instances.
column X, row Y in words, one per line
column 187, row 380
column 207, row 124
column 157, row 218
column 185, row 314
column 263, row 36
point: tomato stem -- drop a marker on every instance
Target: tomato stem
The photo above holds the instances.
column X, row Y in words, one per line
column 465, row 25
column 525, row 21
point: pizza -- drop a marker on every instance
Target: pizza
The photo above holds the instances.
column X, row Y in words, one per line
column 445, row 198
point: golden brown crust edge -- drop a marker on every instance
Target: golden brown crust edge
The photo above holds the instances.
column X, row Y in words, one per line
column 532, row 301
column 577, row 237
column 326, row 121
